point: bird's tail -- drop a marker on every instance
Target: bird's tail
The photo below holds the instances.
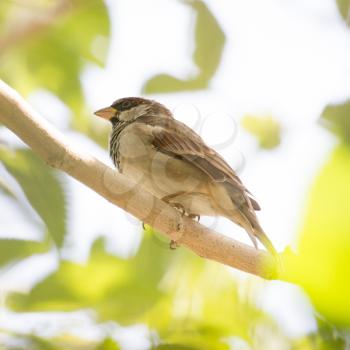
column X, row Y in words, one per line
column 244, row 215
column 255, row 231
column 262, row 237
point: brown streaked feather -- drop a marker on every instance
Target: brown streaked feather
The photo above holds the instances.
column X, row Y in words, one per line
column 178, row 140
column 255, row 204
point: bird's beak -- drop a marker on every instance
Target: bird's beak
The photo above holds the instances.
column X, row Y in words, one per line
column 106, row 113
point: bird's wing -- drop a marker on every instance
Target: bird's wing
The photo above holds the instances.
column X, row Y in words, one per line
column 178, row 140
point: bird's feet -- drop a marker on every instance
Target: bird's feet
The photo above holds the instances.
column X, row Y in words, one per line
column 194, row 217
column 179, row 207
column 173, row 245
column 170, row 199
column 183, row 212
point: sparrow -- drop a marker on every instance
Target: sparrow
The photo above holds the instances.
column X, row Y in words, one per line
column 171, row 161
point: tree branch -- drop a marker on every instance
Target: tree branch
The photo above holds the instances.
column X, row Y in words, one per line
column 52, row 147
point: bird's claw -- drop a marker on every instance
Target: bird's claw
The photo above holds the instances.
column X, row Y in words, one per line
column 180, row 208
column 173, row 245
column 194, row 217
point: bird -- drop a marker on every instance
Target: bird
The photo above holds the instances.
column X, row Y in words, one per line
column 171, row 161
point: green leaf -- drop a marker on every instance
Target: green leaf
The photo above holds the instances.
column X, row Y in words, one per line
column 210, row 41
column 201, row 306
column 167, row 83
column 20, row 341
column 117, row 289
column 329, row 337
column 191, row 303
column 15, row 249
column 55, row 57
column 322, row 265
column 62, row 342
column 173, row 347
column 41, row 187
column 195, row 341
column 209, row 38
column 344, row 9
column 4, row 8
column 6, row 190
column 108, row 344
column 267, row 130
column 337, row 119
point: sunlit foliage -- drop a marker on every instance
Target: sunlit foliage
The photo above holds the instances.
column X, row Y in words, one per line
column 185, row 303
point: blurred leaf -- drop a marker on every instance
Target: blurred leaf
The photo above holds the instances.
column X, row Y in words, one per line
column 188, row 301
column 172, row 347
column 322, row 266
column 42, row 188
column 328, row 336
column 202, row 306
column 6, row 190
column 209, row 40
column 344, row 9
column 115, row 288
column 55, row 57
column 266, row 129
column 16, row 249
column 108, row 344
column 167, row 83
column 337, row 119
column 196, row 341
column 4, row 8
column 63, row 342
column 37, row 343
column 20, row 341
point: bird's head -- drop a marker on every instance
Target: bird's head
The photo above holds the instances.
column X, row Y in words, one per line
column 128, row 109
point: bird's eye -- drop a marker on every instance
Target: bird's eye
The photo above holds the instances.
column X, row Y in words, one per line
column 126, row 105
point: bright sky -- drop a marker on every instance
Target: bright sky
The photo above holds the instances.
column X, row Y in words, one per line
column 285, row 58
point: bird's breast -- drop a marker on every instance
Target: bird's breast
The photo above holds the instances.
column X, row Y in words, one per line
column 159, row 173
column 162, row 174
